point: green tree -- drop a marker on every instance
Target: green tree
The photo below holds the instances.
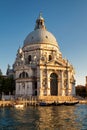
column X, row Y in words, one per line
column 81, row 91
column 0, row 72
column 1, row 81
column 7, row 84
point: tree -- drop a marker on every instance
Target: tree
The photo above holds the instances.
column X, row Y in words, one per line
column 81, row 90
column 0, row 72
column 7, row 84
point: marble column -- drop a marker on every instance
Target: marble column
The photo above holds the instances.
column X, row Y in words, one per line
column 69, row 85
column 17, row 88
column 41, row 79
column 30, row 88
column 63, row 89
column 48, row 86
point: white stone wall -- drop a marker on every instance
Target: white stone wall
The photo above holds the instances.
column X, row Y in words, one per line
column 41, row 57
column 24, row 90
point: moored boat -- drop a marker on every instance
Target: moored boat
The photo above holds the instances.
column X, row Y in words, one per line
column 58, row 103
column 69, row 103
column 45, row 104
column 19, row 106
column 55, row 103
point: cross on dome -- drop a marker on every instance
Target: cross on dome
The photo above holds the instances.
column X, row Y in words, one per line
column 40, row 16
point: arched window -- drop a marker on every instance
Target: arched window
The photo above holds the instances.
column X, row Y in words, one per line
column 23, row 75
column 50, row 57
column 41, row 22
column 29, row 58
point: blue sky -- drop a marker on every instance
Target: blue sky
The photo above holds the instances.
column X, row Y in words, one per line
column 66, row 19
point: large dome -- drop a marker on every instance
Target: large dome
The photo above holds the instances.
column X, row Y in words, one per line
column 40, row 34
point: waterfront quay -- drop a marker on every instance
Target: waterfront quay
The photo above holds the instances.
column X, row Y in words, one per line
column 11, row 103
column 26, row 102
column 34, row 101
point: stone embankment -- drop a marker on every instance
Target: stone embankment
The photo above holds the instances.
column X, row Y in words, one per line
column 12, row 103
column 6, row 103
column 83, row 101
column 34, row 101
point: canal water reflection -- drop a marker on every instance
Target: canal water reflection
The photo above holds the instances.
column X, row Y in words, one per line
column 44, row 118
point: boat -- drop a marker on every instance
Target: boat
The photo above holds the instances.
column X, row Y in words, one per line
column 70, row 103
column 45, row 104
column 58, row 103
column 55, row 103
column 19, row 106
column 42, row 104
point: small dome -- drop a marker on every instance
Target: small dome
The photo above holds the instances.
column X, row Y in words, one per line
column 40, row 36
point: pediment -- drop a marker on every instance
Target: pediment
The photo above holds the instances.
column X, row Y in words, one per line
column 56, row 63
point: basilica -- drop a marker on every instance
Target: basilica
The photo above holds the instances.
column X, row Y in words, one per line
column 39, row 68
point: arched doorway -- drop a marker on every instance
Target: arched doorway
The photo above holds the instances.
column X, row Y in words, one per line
column 54, row 84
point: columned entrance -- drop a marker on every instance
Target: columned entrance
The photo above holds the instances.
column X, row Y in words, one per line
column 54, row 84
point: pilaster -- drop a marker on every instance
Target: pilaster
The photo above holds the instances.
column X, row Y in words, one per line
column 63, row 89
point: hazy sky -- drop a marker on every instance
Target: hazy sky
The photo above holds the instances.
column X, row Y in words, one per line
column 66, row 19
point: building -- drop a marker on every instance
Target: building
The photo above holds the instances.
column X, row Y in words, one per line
column 81, row 90
column 10, row 72
column 39, row 67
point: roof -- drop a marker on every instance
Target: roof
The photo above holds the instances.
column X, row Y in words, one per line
column 40, row 34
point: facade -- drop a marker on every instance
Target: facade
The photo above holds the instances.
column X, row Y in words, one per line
column 39, row 68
